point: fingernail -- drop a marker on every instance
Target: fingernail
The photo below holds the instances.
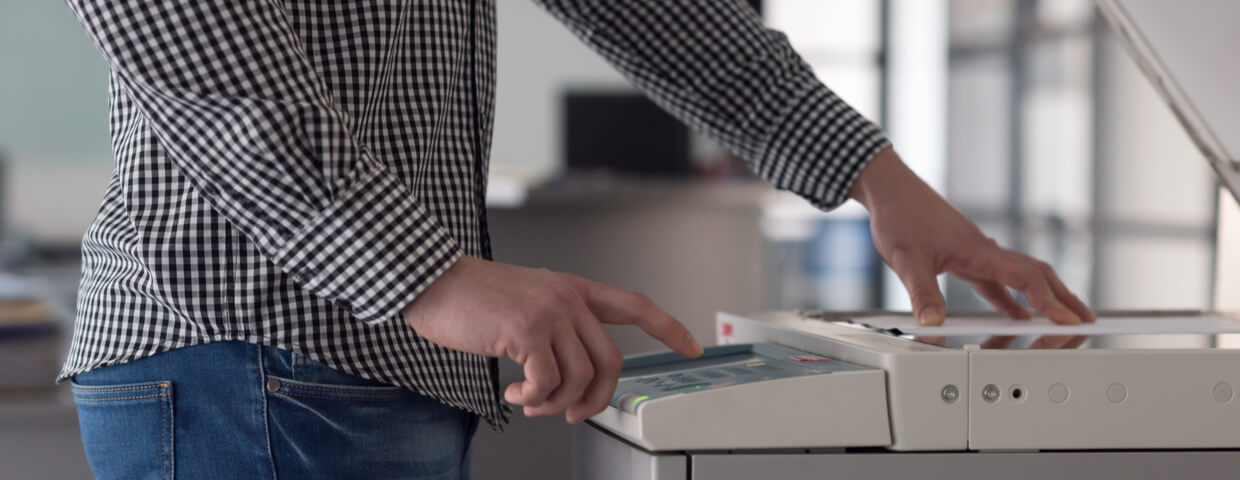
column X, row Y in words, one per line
column 697, row 349
column 931, row 316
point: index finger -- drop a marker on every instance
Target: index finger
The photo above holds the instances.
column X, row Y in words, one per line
column 620, row 307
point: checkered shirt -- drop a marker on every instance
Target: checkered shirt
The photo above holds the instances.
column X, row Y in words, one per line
column 292, row 173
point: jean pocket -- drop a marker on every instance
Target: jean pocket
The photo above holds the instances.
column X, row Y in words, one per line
column 314, row 379
column 127, row 429
column 327, row 391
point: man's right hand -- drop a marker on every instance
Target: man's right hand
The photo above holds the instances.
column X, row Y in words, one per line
column 551, row 323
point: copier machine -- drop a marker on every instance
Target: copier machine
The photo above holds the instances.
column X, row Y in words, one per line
column 817, row 395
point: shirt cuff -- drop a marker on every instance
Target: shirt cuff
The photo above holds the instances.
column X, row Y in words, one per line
column 372, row 251
column 821, row 146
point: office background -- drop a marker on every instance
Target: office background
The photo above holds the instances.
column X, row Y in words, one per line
column 1025, row 114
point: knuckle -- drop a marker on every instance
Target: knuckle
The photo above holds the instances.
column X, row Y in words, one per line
column 983, row 250
column 531, row 329
column 613, row 361
column 607, row 366
column 1041, row 302
column 585, row 373
column 561, row 291
column 1035, row 275
column 901, row 256
column 522, row 344
column 597, row 406
column 640, row 302
column 548, row 383
column 546, row 307
column 925, row 290
column 927, row 287
column 991, row 266
column 538, row 307
column 985, row 266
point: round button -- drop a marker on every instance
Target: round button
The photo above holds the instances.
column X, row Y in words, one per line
column 1223, row 392
column 1058, row 393
column 273, row 385
column 1116, row 393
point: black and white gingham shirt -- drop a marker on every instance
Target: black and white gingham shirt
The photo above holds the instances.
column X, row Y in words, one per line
column 292, row 173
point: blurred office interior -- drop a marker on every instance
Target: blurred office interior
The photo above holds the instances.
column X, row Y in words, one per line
column 1026, row 114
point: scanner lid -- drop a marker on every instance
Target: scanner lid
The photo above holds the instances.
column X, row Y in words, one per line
column 1190, row 51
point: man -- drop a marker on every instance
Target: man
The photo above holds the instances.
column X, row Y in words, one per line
column 289, row 275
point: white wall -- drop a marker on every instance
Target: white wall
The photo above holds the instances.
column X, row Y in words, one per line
column 53, row 122
column 1152, row 173
column 53, row 85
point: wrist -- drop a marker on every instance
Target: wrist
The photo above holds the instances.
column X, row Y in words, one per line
column 884, row 172
column 431, row 296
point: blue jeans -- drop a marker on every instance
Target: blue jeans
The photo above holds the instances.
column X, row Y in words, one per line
column 235, row 410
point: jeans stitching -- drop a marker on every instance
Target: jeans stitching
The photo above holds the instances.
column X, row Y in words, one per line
column 262, row 377
column 359, row 390
column 119, row 398
column 362, row 399
column 163, row 439
column 172, row 433
column 118, row 389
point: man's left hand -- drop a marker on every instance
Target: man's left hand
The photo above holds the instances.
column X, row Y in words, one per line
column 920, row 236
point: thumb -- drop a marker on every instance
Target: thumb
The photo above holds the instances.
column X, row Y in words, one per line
column 919, row 279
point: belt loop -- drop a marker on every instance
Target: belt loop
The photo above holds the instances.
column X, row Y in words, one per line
column 279, row 362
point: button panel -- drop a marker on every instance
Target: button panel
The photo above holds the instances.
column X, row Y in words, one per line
column 720, row 367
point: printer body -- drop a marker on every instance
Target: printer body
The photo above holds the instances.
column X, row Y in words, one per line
column 810, row 395
column 817, row 395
